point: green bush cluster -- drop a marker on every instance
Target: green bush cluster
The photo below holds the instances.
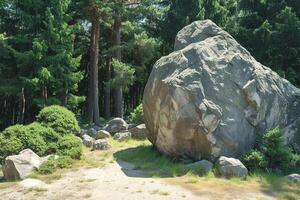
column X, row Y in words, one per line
column 60, row 119
column 70, row 145
column 271, row 154
column 48, row 136
column 137, row 116
column 52, row 164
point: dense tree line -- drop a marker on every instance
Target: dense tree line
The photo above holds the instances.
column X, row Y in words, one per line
column 94, row 56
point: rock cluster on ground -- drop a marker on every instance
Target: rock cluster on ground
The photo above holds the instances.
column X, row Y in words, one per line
column 210, row 97
column 96, row 137
column 20, row 166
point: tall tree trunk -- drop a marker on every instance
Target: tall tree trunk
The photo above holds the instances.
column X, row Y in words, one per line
column 107, row 94
column 107, row 90
column 118, row 55
column 93, row 98
column 23, row 105
column 65, row 97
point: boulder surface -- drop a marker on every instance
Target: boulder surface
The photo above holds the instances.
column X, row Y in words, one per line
column 20, row 166
column 101, row 144
column 116, row 125
column 231, row 167
column 139, row 132
column 210, row 97
column 122, row 136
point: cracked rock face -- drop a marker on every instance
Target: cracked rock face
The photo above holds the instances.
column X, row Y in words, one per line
column 210, row 97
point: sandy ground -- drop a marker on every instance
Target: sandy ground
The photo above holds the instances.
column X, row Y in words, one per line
column 118, row 181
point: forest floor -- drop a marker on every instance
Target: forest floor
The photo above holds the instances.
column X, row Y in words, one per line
column 105, row 175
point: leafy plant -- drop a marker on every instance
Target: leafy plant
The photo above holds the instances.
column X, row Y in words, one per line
column 52, row 164
column 272, row 154
column 254, row 159
column 70, row 145
column 60, row 119
column 137, row 116
column 9, row 146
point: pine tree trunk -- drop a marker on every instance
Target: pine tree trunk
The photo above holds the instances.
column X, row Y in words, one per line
column 118, row 55
column 107, row 90
column 93, row 98
column 107, row 94
column 23, row 106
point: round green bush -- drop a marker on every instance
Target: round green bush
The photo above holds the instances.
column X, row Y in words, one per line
column 60, row 119
column 48, row 135
column 70, row 145
column 29, row 137
column 9, row 146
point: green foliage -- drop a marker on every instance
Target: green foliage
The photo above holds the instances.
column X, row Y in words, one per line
column 124, row 75
column 9, row 146
column 272, row 154
column 28, row 137
column 60, row 119
column 255, row 160
column 49, row 136
column 137, row 116
column 42, row 140
column 70, row 145
column 52, row 164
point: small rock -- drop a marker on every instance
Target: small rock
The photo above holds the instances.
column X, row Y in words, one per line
column 205, row 165
column 21, row 165
column 231, row 167
column 116, row 125
column 102, row 134
column 130, row 126
column 101, row 144
column 31, row 183
column 122, row 136
column 139, row 132
column 87, row 140
column 97, row 128
column 294, row 178
column 92, row 132
column 83, row 132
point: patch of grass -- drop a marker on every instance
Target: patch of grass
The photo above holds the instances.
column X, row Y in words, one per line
column 87, row 196
column 144, row 157
column 87, row 180
column 159, row 192
column 49, row 178
column 37, row 190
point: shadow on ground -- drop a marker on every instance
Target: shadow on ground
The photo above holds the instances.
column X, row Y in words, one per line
column 145, row 161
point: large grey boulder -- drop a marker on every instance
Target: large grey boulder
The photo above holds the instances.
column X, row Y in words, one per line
column 21, row 165
column 231, row 167
column 210, row 97
column 116, row 125
column 139, row 132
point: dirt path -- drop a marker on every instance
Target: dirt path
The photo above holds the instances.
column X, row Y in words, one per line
column 115, row 181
